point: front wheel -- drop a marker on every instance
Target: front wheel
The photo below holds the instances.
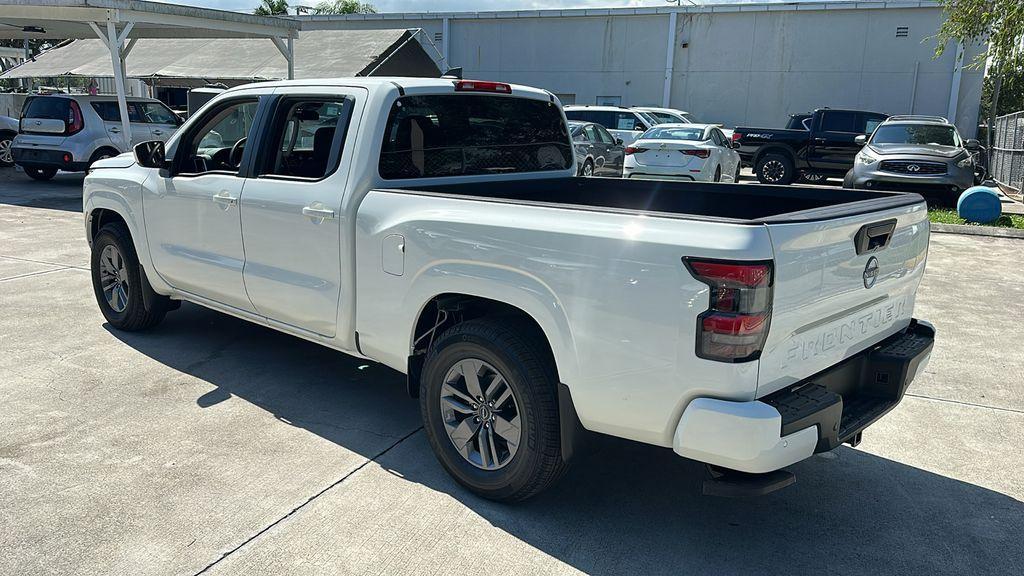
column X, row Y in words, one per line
column 41, row 174
column 488, row 397
column 848, row 179
column 117, row 281
column 775, row 169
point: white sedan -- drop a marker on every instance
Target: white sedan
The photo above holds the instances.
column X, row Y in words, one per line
column 697, row 152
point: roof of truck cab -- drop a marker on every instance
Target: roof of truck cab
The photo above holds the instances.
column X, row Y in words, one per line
column 391, row 82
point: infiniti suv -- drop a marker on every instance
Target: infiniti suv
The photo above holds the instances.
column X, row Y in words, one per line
column 70, row 132
column 915, row 153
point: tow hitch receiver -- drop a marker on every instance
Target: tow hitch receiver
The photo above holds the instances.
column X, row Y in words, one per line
column 735, row 484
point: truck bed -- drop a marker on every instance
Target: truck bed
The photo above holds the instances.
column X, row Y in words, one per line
column 744, row 203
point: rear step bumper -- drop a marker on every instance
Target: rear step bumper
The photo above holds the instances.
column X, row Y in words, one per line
column 815, row 415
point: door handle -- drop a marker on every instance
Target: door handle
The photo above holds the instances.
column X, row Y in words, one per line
column 819, row 140
column 158, row 132
column 316, row 210
column 115, row 130
column 225, row 199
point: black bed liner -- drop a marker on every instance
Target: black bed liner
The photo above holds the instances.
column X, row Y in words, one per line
column 750, row 203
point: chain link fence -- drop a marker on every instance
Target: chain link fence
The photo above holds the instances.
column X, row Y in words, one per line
column 1008, row 150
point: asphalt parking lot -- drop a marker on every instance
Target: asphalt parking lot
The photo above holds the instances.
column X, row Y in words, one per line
column 210, row 444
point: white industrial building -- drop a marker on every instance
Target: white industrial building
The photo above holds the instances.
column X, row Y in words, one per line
column 740, row 64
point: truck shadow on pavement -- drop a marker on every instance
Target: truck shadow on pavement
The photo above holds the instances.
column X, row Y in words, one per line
column 623, row 507
column 64, row 192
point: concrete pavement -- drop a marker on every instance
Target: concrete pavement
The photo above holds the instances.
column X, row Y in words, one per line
column 210, row 444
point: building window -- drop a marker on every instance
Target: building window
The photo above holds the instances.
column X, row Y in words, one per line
column 902, row 31
column 609, row 101
column 566, row 99
column 438, row 36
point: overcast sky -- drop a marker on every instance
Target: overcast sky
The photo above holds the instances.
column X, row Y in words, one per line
column 462, row 5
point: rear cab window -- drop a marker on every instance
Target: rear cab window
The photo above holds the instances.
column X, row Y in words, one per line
column 469, row 134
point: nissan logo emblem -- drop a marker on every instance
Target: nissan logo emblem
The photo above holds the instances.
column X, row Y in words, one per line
column 871, row 272
column 913, row 168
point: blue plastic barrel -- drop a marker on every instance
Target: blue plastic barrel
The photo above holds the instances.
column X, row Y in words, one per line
column 979, row 204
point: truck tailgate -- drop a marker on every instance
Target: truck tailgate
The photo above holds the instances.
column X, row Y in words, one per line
column 833, row 298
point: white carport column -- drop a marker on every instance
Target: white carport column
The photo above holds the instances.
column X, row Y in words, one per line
column 114, row 42
column 666, row 96
column 288, row 51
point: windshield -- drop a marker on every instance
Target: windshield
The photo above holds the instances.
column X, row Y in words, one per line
column 916, row 134
column 674, row 134
column 650, row 118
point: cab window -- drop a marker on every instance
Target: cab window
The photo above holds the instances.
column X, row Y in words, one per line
column 217, row 145
column 157, row 113
column 306, row 137
column 467, row 134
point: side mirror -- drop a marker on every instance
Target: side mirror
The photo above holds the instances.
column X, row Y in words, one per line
column 734, row 144
column 860, row 140
column 972, row 145
column 151, row 154
column 618, row 141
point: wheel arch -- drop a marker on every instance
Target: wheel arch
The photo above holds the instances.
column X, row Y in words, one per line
column 452, row 308
column 777, row 149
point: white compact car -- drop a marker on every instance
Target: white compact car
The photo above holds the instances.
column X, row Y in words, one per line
column 697, row 152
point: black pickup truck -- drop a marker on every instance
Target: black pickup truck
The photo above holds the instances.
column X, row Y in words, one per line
column 780, row 156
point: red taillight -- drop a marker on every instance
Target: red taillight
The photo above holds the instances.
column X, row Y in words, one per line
column 634, row 150
column 697, row 153
column 735, row 325
column 736, row 136
column 75, row 123
column 479, row 86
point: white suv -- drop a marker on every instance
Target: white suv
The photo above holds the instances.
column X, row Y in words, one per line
column 625, row 124
column 70, row 132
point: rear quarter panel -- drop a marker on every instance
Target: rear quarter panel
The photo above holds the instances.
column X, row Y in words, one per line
column 609, row 290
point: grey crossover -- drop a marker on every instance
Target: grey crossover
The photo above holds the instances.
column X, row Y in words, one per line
column 915, row 153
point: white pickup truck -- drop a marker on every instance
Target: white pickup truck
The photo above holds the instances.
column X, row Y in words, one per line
column 434, row 226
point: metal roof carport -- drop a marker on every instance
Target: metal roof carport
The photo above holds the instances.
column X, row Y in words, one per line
column 197, row 61
column 119, row 24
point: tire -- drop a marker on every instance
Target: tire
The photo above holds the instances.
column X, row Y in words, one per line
column 6, row 154
column 775, row 168
column 41, row 174
column 509, row 349
column 718, row 174
column 848, row 179
column 101, row 154
column 587, row 170
column 113, row 257
column 736, row 175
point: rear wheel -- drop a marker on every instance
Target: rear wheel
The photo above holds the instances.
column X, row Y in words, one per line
column 736, row 175
column 101, row 154
column 488, row 397
column 775, row 169
column 41, row 174
column 118, row 284
column 6, row 153
column 812, row 178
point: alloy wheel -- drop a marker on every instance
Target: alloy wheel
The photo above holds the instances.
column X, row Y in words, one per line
column 773, row 171
column 588, row 170
column 6, row 154
column 481, row 414
column 114, row 278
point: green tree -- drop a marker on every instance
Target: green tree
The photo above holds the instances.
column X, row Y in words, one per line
column 271, row 8
column 997, row 23
column 343, row 7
